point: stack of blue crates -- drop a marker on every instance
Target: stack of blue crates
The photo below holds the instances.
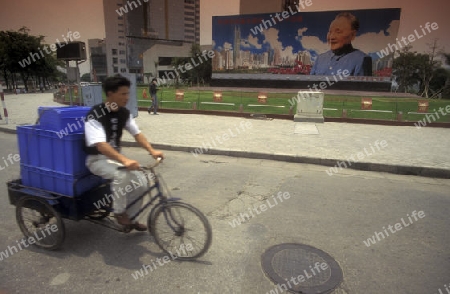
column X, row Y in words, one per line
column 51, row 152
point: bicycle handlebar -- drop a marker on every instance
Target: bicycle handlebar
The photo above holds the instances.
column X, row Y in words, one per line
column 158, row 161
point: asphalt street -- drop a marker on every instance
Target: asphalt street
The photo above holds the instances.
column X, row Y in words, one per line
column 333, row 213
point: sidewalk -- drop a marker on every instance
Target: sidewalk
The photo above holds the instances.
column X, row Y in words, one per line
column 393, row 149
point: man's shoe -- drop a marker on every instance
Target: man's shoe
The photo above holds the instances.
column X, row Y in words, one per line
column 139, row 227
column 123, row 219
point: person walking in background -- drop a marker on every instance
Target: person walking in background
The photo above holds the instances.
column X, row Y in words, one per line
column 154, row 97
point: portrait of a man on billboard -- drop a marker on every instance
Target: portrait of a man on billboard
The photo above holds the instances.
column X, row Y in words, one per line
column 342, row 56
column 322, row 43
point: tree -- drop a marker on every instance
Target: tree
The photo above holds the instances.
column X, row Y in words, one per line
column 203, row 71
column 404, row 69
column 418, row 69
column 201, row 66
column 446, row 89
column 438, row 83
column 183, row 75
column 24, row 55
column 427, row 66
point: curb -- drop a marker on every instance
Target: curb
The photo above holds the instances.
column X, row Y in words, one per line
column 365, row 166
column 8, row 131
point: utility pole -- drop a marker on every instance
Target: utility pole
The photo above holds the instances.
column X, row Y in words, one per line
column 68, row 82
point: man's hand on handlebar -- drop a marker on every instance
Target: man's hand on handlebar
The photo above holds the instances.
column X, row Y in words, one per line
column 131, row 164
column 157, row 154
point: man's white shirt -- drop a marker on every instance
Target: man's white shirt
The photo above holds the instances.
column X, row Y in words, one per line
column 95, row 133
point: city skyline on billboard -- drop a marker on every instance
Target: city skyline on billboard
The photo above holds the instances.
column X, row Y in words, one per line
column 262, row 42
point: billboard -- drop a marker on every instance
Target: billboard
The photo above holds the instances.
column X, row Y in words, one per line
column 322, row 43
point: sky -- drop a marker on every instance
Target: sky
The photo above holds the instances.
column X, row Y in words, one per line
column 53, row 18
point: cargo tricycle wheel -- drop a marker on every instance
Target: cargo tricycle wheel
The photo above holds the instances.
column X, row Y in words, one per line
column 180, row 229
column 40, row 223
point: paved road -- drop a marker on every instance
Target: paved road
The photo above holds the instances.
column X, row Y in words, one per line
column 333, row 213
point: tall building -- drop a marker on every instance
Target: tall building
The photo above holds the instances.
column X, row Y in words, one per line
column 304, row 57
column 134, row 26
column 217, row 61
column 97, row 58
column 286, row 4
column 277, row 57
column 228, row 59
column 258, row 6
column 237, row 47
column 192, row 21
column 176, row 19
column 265, row 60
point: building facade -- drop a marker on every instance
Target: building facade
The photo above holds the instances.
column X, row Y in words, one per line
column 97, row 58
column 258, row 6
column 133, row 27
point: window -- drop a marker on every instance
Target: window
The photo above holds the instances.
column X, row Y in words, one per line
column 116, row 69
column 115, row 60
column 165, row 61
column 122, row 52
column 123, row 61
column 114, row 51
column 188, row 25
column 120, row 31
column 123, row 70
column 121, row 37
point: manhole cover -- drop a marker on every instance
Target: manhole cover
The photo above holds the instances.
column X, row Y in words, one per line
column 299, row 268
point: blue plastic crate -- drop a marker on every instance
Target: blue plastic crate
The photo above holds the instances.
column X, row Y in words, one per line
column 56, row 182
column 28, row 145
column 66, row 120
column 47, row 149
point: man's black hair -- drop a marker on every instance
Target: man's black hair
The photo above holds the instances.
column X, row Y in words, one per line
column 154, row 80
column 112, row 84
column 354, row 21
